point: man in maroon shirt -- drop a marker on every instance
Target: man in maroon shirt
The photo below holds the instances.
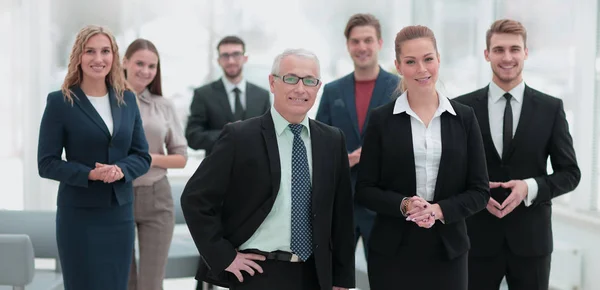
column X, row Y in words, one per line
column 346, row 102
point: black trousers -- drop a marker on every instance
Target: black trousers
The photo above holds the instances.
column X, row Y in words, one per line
column 522, row 273
column 281, row 275
column 420, row 263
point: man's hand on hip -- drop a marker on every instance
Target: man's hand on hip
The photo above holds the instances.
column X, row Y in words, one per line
column 245, row 262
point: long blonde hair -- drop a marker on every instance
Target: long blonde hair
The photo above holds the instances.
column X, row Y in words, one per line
column 115, row 77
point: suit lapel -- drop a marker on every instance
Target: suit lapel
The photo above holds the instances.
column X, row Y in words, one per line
column 447, row 132
column 115, row 110
column 320, row 155
column 349, row 96
column 402, row 141
column 252, row 108
column 221, row 96
column 482, row 112
column 527, row 111
column 268, row 132
column 86, row 106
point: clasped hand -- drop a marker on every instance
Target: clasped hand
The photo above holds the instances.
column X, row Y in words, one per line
column 423, row 213
column 106, row 173
column 518, row 193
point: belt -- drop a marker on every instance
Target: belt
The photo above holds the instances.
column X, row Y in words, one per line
column 276, row 255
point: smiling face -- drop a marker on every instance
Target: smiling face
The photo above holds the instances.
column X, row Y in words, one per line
column 97, row 57
column 507, row 54
column 141, row 69
column 419, row 64
column 293, row 101
column 364, row 46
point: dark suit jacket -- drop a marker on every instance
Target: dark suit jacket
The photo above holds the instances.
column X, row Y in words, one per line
column 387, row 175
column 338, row 107
column 210, row 111
column 542, row 131
column 80, row 130
column 234, row 189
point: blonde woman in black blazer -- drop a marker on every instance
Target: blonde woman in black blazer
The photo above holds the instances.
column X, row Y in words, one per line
column 423, row 172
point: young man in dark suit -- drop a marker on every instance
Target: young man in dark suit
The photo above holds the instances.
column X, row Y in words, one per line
column 271, row 206
column 521, row 128
column 228, row 99
column 347, row 102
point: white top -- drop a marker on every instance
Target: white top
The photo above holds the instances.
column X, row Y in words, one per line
column 229, row 86
column 102, row 106
column 427, row 143
column 496, row 106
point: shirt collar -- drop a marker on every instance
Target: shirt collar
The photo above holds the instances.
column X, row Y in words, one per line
column 229, row 86
column 403, row 106
column 145, row 96
column 495, row 93
column 281, row 123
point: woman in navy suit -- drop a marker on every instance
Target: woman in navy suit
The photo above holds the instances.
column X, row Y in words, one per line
column 96, row 120
column 423, row 172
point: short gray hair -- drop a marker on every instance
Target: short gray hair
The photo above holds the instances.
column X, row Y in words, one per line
column 299, row 52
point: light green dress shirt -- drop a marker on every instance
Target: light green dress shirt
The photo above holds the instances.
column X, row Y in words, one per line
column 275, row 233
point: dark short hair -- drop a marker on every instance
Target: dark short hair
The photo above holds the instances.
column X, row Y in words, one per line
column 231, row 39
column 362, row 19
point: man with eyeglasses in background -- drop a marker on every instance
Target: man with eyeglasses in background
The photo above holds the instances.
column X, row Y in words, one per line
column 226, row 100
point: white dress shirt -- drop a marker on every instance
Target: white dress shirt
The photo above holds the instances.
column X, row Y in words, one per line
column 427, row 143
column 229, row 86
column 496, row 106
column 102, row 106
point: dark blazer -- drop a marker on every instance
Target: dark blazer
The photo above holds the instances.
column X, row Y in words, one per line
column 234, row 189
column 210, row 111
column 338, row 106
column 80, row 130
column 387, row 175
column 542, row 131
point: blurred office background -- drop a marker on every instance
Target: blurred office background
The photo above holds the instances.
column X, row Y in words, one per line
column 564, row 60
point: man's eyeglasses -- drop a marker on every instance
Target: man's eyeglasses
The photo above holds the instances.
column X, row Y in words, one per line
column 235, row 55
column 292, row 80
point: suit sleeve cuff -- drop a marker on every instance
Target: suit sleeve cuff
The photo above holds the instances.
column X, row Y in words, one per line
column 532, row 191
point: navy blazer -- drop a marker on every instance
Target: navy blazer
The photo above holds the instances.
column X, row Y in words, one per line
column 338, row 106
column 79, row 129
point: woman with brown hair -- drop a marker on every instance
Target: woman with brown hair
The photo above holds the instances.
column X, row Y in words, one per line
column 423, row 172
column 153, row 202
column 96, row 120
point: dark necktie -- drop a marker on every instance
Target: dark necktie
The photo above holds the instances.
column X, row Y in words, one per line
column 239, row 110
column 507, row 127
column 301, row 243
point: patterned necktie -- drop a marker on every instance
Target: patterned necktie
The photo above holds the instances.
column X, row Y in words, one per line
column 239, row 110
column 507, row 126
column 301, row 198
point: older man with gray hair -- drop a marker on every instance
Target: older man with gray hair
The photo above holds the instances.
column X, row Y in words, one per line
column 271, row 207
